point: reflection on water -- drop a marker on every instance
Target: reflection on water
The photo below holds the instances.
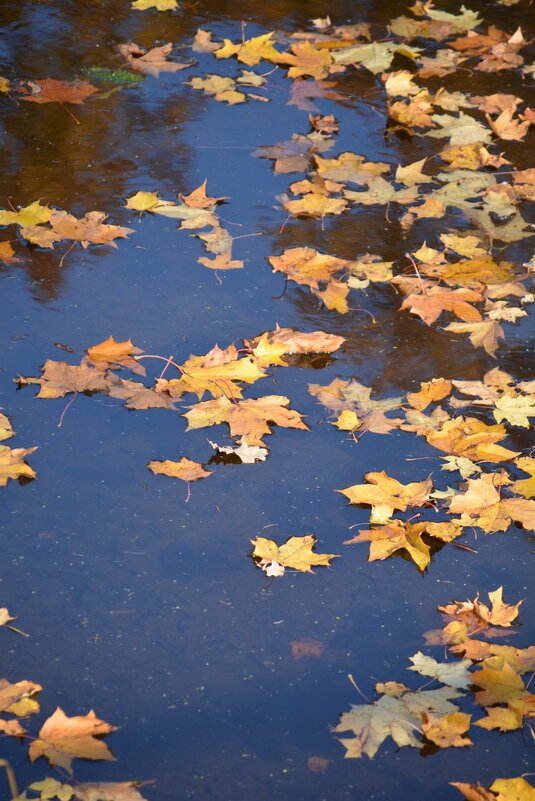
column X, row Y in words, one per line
column 144, row 607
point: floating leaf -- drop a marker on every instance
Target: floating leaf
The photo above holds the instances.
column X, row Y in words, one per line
column 296, row 553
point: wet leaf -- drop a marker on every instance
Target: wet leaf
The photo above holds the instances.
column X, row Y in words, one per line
column 52, row 91
column 184, row 469
column 470, row 437
column 150, row 62
column 247, row 454
column 392, row 717
column 454, row 674
column 516, row 410
column 249, row 419
column 12, row 464
column 296, row 553
column 384, row 494
column 18, row 698
column 429, row 392
column 448, row 730
column 110, row 791
column 60, row 378
column 61, row 738
column 34, row 214
column 252, row 51
column 159, row 5
column 111, row 352
column 307, row 266
column 498, row 684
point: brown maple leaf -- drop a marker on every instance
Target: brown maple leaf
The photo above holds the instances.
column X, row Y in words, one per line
column 250, row 419
column 61, row 738
column 429, row 305
column 137, row 395
column 59, row 378
column 307, row 266
column 151, row 62
column 110, row 791
column 87, row 230
column 52, row 91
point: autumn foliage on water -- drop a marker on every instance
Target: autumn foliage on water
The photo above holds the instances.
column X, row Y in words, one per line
column 456, row 283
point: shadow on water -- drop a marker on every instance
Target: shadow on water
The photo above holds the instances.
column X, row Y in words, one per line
column 149, row 609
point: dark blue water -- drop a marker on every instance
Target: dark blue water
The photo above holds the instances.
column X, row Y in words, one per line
column 149, row 609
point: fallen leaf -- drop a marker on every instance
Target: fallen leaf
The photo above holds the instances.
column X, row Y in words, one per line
column 251, row 51
column 516, row 410
column 59, row 378
column 6, row 429
column 384, row 494
column 248, row 419
column 150, row 62
column 296, row 553
column 398, row 718
column 470, row 437
column 12, row 464
column 429, row 392
column 448, row 730
column 219, row 377
column 221, row 262
column 116, row 353
column 499, row 614
column 34, row 214
column 513, row 789
column 202, row 42
column 510, row 717
column 498, row 684
column 454, row 674
column 110, row 791
column 184, row 469
column 334, row 296
column 307, row 266
column 52, row 91
column 61, row 738
column 17, row 698
column 247, row 454
column 159, row 5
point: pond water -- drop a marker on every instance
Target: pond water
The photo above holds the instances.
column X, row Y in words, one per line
column 148, row 608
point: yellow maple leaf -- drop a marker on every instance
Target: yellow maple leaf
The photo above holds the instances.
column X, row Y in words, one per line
column 12, row 464
column 296, row 553
column 498, row 684
column 314, row 205
column 250, row 418
column 34, row 214
column 252, row 51
column 470, row 437
column 159, row 5
column 447, row 730
column 430, row 391
column 334, row 296
column 384, row 494
column 185, row 469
